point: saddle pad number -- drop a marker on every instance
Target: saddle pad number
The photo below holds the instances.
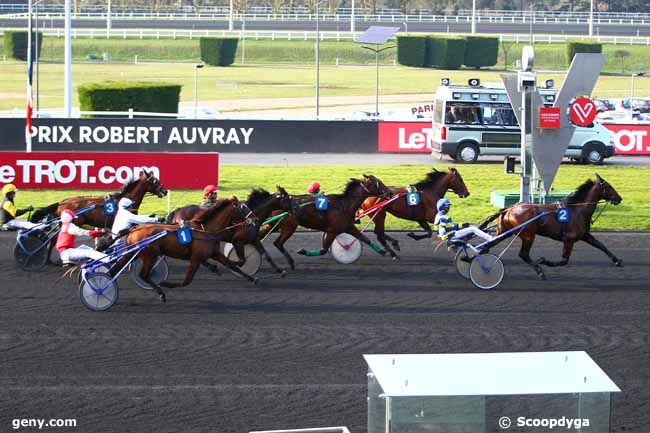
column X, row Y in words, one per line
column 322, row 203
column 563, row 215
column 110, row 208
column 413, row 198
column 184, row 236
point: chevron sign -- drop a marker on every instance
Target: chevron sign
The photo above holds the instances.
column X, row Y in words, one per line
column 582, row 111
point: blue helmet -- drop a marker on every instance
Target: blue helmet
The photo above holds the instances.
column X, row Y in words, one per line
column 442, row 203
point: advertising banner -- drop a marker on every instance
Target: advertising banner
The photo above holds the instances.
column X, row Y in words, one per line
column 631, row 139
column 106, row 170
column 414, row 137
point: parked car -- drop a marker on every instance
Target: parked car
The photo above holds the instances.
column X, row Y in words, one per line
column 641, row 105
column 603, row 105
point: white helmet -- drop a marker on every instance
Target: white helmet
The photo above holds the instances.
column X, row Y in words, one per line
column 125, row 202
column 67, row 216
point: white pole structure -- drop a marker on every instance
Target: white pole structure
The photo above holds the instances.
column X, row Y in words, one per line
column 352, row 19
column 67, row 75
column 196, row 87
column 317, row 61
column 230, row 17
column 108, row 19
column 473, row 16
column 28, row 140
column 591, row 18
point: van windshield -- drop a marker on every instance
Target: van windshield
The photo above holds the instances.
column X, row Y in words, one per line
column 480, row 113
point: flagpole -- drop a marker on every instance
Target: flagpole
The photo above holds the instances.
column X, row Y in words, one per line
column 28, row 114
column 67, row 55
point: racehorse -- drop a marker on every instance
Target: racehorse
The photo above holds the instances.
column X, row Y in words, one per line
column 261, row 203
column 432, row 188
column 208, row 229
column 338, row 218
column 580, row 206
column 134, row 190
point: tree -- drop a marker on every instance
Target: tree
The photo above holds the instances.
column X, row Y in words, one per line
column 621, row 56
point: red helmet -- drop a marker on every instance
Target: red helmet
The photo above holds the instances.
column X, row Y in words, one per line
column 209, row 190
column 313, row 187
column 67, row 216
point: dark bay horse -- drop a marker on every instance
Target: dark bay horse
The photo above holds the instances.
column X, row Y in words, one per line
column 580, row 204
column 337, row 219
column 208, row 229
column 135, row 190
column 432, row 188
column 261, row 204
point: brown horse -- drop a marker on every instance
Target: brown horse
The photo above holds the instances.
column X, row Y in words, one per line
column 135, row 190
column 337, row 219
column 432, row 188
column 208, row 229
column 261, row 203
column 580, row 205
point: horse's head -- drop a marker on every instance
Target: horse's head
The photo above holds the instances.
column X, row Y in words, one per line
column 153, row 184
column 283, row 197
column 456, row 183
column 607, row 192
column 375, row 187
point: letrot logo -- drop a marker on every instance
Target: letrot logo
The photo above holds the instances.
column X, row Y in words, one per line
column 582, row 111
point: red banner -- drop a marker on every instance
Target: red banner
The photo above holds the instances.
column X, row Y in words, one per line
column 412, row 137
column 631, row 139
column 106, row 170
column 549, row 117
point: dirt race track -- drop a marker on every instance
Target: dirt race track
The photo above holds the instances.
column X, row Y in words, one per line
column 225, row 356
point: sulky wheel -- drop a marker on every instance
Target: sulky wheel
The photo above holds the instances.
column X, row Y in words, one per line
column 97, row 292
column 463, row 260
column 253, row 258
column 159, row 273
column 486, row 271
column 31, row 251
column 346, row 249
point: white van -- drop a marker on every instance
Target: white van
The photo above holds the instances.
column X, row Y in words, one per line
column 469, row 121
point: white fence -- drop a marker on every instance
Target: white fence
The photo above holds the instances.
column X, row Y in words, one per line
column 302, row 35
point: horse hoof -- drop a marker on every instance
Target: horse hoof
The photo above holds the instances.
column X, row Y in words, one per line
column 542, row 276
column 396, row 246
column 618, row 263
column 162, row 297
column 411, row 235
column 302, row 252
column 283, row 273
column 255, row 281
column 395, row 257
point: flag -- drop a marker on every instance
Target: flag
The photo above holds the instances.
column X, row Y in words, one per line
column 30, row 64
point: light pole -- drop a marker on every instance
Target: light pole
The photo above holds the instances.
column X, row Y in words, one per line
column 108, row 20
column 196, row 87
column 591, row 18
column 352, row 26
column 230, row 17
column 531, row 22
column 317, row 60
column 67, row 56
column 377, row 51
column 473, row 16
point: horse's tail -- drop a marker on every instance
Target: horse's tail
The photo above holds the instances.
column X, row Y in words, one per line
column 492, row 217
column 41, row 213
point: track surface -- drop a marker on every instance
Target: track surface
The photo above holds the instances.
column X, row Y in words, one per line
column 225, row 356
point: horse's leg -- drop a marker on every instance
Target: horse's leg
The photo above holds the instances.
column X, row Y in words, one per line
column 327, row 243
column 189, row 274
column 527, row 240
column 588, row 238
column 425, row 225
column 148, row 263
column 241, row 253
column 566, row 254
column 260, row 249
column 380, row 232
column 287, row 229
column 363, row 238
column 211, row 267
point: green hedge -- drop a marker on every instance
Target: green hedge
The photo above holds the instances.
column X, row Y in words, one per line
column 481, row 51
column 436, row 49
column 138, row 95
column 15, row 44
column 218, row 51
column 412, row 50
column 573, row 47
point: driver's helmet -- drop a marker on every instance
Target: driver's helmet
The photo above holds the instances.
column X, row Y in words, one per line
column 125, row 202
column 313, row 187
column 442, row 203
column 67, row 216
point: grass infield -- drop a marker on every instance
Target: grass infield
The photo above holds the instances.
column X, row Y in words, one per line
column 630, row 182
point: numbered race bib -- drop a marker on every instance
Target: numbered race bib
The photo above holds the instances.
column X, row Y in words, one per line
column 413, row 198
column 322, row 203
column 184, row 235
column 110, row 208
column 563, row 215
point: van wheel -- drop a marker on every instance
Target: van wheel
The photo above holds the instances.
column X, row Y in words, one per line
column 593, row 153
column 467, row 153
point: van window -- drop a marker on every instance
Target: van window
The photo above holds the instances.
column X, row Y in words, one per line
column 473, row 113
column 438, row 111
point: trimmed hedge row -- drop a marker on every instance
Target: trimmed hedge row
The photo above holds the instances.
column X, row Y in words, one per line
column 447, row 52
column 218, row 51
column 573, row 47
column 16, row 44
column 122, row 96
